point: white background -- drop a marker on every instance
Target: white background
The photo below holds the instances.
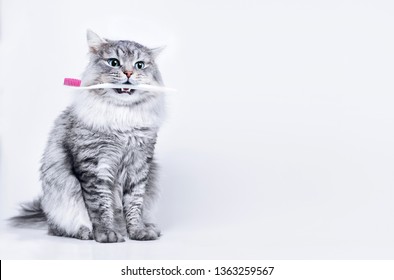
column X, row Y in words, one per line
column 278, row 145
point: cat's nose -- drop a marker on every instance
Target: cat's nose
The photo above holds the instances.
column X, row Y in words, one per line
column 128, row 73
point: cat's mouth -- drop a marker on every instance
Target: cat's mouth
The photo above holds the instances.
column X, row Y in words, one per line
column 128, row 91
column 124, row 90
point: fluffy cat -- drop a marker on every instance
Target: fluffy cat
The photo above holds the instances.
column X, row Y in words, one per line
column 98, row 171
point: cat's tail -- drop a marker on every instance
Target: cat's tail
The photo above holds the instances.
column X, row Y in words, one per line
column 30, row 215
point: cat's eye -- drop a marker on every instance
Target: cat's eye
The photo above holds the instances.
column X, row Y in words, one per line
column 113, row 62
column 139, row 65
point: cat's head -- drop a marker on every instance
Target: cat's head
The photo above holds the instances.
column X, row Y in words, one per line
column 121, row 62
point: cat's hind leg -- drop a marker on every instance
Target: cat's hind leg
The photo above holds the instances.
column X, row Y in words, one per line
column 62, row 200
column 65, row 208
column 83, row 233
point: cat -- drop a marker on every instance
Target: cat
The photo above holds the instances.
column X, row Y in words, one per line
column 98, row 171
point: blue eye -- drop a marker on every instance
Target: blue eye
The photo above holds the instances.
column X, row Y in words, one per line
column 113, row 62
column 139, row 65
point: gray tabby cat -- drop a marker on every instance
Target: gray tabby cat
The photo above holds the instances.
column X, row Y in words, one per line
column 98, row 172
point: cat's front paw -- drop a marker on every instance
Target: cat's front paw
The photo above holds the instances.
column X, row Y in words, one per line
column 149, row 232
column 105, row 235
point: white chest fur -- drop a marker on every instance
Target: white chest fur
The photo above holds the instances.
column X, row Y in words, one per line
column 100, row 114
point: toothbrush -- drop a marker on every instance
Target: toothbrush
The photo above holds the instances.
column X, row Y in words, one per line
column 77, row 84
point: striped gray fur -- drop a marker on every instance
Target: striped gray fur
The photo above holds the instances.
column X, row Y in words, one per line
column 98, row 171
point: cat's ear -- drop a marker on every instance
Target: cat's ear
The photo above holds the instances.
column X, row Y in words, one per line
column 156, row 51
column 94, row 41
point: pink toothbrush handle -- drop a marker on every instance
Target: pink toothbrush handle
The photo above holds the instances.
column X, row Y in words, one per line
column 72, row 82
